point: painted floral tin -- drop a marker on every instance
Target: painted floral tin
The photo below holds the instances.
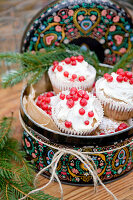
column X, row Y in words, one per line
column 110, row 165
column 106, row 28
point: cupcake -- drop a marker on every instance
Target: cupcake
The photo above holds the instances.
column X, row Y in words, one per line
column 72, row 72
column 77, row 112
column 115, row 92
column 109, row 126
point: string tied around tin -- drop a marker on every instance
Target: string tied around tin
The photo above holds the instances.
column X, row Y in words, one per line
column 84, row 157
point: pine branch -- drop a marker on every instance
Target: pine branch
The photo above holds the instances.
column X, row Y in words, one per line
column 126, row 59
column 16, row 174
column 5, row 128
column 35, row 65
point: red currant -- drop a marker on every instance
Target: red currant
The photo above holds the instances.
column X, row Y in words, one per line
column 73, row 63
column 70, row 103
column 83, row 102
column 119, row 79
column 68, row 96
column 125, row 79
column 129, row 75
column 81, row 111
column 81, row 78
column 86, row 96
column 86, row 122
column 102, row 134
column 68, row 124
column 55, row 63
column 91, row 114
column 62, row 96
column 60, row 68
column 119, row 71
column 66, row 74
column 74, row 76
column 73, row 91
column 75, row 97
column 50, row 94
column 106, row 75
column 67, row 60
column 47, row 99
column 80, row 58
column 45, row 107
column 73, row 58
column 81, row 93
column 131, row 81
column 109, row 78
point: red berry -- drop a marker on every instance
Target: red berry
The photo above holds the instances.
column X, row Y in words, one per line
column 70, row 103
column 47, row 99
column 68, row 96
column 50, row 108
column 73, row 63
column 45, row 107
column 81, row 93
column 71, row 79
column 86, row 122
column 73, row 91
column 131, row 81
column 74, row 76
column 59, row 68
column 73, row 58
column 126, row 73
column 40, row 97
column 86, row 96
column 38, row 103
column 66, row 74
column 68, row 124
column 123, row 125
column 81, row 111
column 109, row 78
column 50, row 94
column 53, row 68
column 62, row 96
column 119, row 79
column 83, row 102
column 81, row 78
column 120, row 128
column 91, row 114
column 55, row 63
column 106, row 75
column 125, row 79
column 67, row 60
column 43, row 99
column 80, row 58
column 49, row 112
column 119, row 71
column 75, row 97
column 122, row 74
column 129, row 75
column 102, row 134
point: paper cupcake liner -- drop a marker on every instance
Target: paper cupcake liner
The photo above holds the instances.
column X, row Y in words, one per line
column 113, row 108
column 62, row 128
column 59, row 85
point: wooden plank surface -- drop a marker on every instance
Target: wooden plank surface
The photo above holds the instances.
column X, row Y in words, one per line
column 122, row 188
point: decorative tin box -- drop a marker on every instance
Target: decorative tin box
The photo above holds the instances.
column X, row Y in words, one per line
column 107, row 29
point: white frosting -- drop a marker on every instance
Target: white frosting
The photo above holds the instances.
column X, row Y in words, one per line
column 80, row 69
column 122, row 91
column 63, row 113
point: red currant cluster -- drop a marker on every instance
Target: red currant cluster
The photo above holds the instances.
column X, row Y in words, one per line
column 122, row 76
column 120, row 128
column 68, row 61
column 73, row 96
column 43, row 102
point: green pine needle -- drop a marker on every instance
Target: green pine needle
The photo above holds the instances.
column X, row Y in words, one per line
column 16, row 174
column 33, row 66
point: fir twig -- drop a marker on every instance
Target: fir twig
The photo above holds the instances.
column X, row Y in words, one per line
column 33, row 66
column 16, row 174
column 126, row 59
column 5, row 128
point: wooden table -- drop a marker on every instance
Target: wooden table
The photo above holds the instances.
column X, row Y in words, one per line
column 122, row 188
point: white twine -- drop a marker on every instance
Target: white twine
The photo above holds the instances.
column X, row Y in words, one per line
column 84, row 157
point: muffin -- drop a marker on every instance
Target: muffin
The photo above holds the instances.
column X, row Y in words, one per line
column 109, row 126
column 77, row 112
column 115, row 92
column 72, row 72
